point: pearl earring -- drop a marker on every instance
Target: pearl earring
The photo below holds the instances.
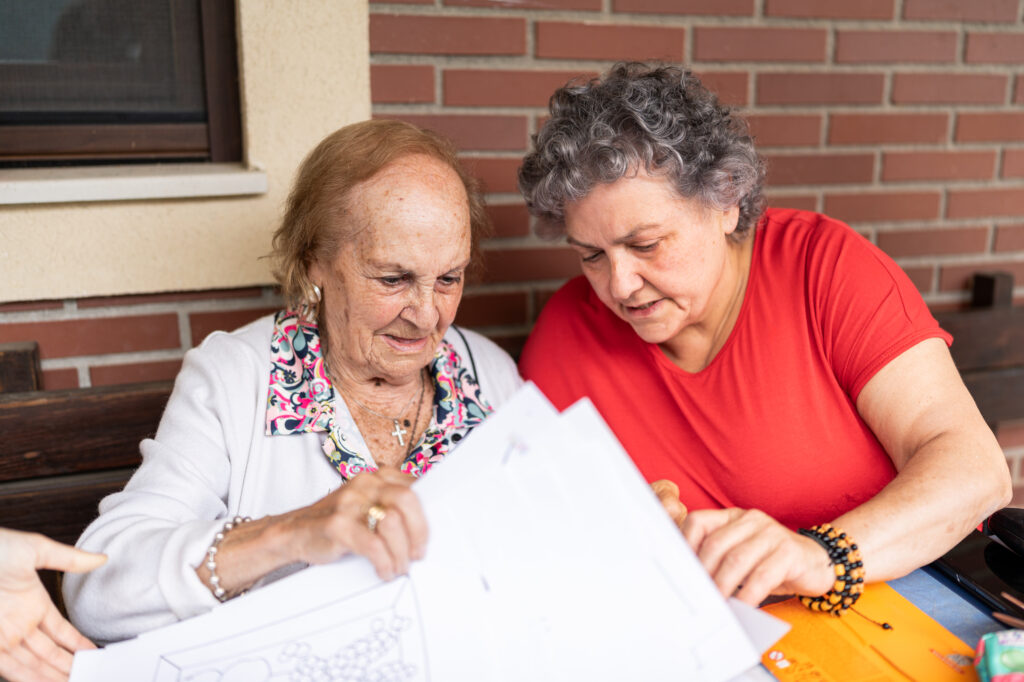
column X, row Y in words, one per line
column 317, row 294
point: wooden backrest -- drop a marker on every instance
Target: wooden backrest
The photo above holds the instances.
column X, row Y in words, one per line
column 19, row 367
column 988, row 347
column 62, row 451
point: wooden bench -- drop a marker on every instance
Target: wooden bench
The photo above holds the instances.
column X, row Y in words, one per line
column 61, row 452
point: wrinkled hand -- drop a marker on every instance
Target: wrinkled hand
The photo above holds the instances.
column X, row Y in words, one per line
column 337, row 524
column 751, row 555
column 36, row 642
column 668, row 495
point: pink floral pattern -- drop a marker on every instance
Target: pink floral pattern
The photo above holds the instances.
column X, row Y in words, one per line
column 301, row 399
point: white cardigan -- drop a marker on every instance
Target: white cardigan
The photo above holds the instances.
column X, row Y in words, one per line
column 211, row 459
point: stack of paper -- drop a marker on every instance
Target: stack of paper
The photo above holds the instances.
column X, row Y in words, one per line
column 549, row 559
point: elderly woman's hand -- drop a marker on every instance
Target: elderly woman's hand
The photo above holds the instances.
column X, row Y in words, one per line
column 36, row 642
column 336, row 525
column 751, row 556
column 339, row 523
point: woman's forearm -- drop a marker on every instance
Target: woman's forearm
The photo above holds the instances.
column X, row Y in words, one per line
column 250, row 551
column 946, row 489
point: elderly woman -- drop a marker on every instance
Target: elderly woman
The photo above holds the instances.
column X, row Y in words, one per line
column 775, row 365
column 312, row 422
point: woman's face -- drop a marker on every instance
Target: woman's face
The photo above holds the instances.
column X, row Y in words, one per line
column 654, row 258
column 392, row 290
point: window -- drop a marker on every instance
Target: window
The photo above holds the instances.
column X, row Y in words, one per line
column 118, row 81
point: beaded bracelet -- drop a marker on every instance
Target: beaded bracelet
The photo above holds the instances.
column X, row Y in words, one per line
column 846, row 562
column 211, row 557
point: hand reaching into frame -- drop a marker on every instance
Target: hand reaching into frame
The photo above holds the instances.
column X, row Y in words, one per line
column 36, row 642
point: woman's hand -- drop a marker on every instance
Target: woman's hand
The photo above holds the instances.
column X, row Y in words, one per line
column 668, row 495
column 751, row 556
column 339, row 523
column 36, row 642
column 335, row 525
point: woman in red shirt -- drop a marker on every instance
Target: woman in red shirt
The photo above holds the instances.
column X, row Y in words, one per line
column 774, row 364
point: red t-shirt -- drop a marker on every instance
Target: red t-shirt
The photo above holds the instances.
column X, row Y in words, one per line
column 771, row 423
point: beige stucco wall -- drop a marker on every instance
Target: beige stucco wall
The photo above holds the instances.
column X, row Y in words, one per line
column 305, row 72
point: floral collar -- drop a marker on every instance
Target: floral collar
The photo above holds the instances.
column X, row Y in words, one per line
column 301, row 399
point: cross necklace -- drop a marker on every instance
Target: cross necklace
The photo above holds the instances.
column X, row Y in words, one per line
column 399, row 431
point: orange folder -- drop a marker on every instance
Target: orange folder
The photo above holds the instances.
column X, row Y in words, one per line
column 851, row 648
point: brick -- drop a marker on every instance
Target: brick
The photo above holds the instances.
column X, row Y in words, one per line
column 990, row 127
column 733, row 8
column 995, row 48
column 133, row 373
column 509, row 220
column 731, row 87
column 495, row 174
column 951, row 88
column 401, row 83
column 1009, row 238
column 918, row 47
column 933, row 242
column 203, row 324
column 97, row 336
column 829, row 9
column 170, row 297
column 498, row 133
column 1013, row 163
column 819, row 169
column 487, row 88
column 540, row 299
column 883, row 206
column 861, row 129
column 785, row 130
column 60, row 379
column 921, row 276
column 418, row 34
column 977, row 203
column 721, row 44
column 1018, row 91
column 958, row 277
column 957, row 165
column 820, row 88
column 510, row 343
column 804, row 202
column 961, row 10
column 21, row 306
column 592, row 5
column 1010, row 435
column 569, row 40
column 493, row 309
column 521, row 265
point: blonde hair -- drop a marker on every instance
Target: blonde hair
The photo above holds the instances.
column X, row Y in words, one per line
column 315, row 224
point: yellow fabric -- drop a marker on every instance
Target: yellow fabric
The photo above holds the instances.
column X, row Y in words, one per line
column 823, row 648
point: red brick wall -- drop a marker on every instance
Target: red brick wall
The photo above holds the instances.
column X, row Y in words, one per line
column 903, row 117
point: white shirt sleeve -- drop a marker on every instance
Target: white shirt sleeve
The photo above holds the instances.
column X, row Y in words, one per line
column 156, row 531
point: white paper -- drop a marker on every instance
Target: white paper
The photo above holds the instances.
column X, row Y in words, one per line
column 549, row 559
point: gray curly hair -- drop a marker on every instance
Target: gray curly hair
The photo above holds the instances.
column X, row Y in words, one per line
column 658, row 117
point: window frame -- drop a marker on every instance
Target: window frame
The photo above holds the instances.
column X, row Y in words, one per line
column 217, row 140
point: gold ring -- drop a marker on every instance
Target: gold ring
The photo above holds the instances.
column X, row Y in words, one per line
column 374, row 515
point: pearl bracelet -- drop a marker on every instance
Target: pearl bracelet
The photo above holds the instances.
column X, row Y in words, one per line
column 211, row 557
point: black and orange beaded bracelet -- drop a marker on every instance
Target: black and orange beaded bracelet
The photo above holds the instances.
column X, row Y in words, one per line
column 848, row 567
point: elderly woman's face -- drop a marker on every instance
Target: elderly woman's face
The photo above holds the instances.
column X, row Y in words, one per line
column 391, row 291
column 654, row 258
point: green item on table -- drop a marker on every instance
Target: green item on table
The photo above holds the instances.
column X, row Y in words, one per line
column 1000, row 656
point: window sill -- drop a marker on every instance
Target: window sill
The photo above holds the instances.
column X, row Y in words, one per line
column 128, row 183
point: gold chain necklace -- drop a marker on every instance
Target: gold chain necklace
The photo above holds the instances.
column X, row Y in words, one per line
column 399, row 432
